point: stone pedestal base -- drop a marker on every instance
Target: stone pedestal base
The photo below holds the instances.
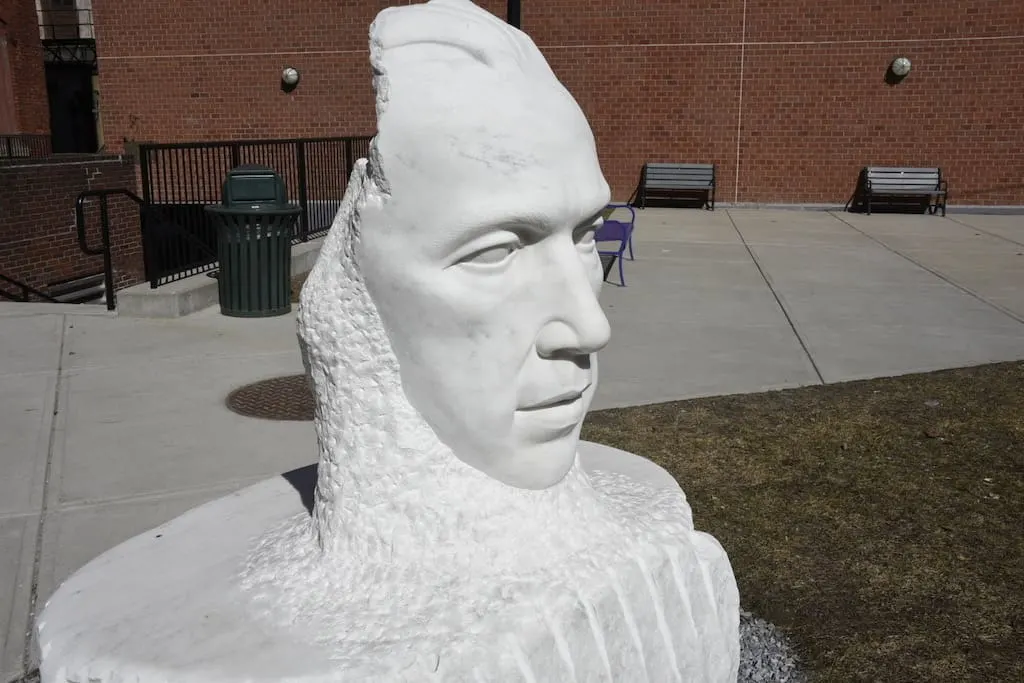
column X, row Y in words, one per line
column 169, row 605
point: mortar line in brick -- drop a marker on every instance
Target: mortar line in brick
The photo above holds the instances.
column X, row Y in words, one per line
column 739, row 107
column 770, row 43
column 205, row 55
column 85, row 162
column 740, row 43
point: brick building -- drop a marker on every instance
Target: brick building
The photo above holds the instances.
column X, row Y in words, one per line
column 23, row 100
column 788, row 97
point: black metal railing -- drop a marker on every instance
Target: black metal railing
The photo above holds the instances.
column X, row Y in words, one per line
column 24, row 145
column 104, row 248
column 24, row 292
column 65, row 23
column 180, row 180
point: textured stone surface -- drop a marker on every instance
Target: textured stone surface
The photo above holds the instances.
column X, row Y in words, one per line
column 455, row 528
column 172, row 603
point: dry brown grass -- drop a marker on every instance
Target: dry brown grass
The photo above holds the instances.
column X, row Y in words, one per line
column 877, row 522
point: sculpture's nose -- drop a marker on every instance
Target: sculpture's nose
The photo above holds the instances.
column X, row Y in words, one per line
column 577, row 325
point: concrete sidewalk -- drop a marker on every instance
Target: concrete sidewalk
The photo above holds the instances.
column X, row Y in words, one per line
column 746, row 300
column 113, row 425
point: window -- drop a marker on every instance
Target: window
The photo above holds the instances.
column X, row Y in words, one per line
column 64, row 19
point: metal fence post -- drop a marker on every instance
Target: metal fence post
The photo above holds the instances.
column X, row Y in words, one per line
column 144, row 219
column 300, row 151
column 108, row 268
column 349, row 161
column 514, row 13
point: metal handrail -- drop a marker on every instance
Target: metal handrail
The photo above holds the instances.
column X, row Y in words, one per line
column 24, row 145
column 104, row 250
column 25, row 291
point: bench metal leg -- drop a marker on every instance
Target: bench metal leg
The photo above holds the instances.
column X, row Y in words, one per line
column 869, row 203
column 936, row 204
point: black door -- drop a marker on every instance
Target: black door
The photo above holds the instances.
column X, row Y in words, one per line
column 72, row 122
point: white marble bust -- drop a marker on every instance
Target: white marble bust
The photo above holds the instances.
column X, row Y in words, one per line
column 460, row 531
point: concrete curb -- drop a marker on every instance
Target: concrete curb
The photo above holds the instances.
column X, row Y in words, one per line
column 12, row 309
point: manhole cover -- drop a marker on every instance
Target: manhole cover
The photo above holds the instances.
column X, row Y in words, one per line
column 279, row 398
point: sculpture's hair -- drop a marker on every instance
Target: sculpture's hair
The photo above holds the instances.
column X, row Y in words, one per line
column 441, row 30
column 454, row 25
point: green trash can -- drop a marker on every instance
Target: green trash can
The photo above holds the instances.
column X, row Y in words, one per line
column 254, row 243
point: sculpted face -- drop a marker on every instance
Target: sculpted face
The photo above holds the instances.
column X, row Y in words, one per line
column 481, row 260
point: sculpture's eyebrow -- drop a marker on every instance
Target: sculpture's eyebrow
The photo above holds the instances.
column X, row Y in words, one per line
column 532, row 223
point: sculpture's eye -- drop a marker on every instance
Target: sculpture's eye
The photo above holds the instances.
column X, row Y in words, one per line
column 491, row 256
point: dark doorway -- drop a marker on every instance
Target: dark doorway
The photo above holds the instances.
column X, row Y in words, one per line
column 72, row 104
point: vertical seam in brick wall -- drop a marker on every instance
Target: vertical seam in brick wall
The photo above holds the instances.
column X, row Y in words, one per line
column 739, row 108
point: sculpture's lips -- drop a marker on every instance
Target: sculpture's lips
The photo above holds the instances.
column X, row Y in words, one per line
column 565, row 398
column 554, row 417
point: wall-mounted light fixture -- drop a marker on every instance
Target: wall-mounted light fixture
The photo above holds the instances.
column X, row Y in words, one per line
column 900, row 67
column 289, row 78
column 897, row 71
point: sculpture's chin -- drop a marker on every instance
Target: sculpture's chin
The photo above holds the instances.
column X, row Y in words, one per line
column 535, row 466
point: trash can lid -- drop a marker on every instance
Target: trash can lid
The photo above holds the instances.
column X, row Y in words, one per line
column 251, row 186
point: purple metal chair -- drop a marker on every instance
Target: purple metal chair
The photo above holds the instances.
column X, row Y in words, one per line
column 614, row 231
column 610, row 209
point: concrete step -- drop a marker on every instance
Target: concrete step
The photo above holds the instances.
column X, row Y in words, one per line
column 87, row 289
column 195, row 293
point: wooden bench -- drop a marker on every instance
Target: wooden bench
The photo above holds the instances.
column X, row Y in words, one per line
column 659, row 181
column 888, row 181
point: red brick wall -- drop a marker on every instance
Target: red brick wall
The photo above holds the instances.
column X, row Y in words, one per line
column 787, row 97
column 215, row 72
column 38, row 235
column 25, row 55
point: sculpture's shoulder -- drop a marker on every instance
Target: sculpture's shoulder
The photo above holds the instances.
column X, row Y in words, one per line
column 597, row 458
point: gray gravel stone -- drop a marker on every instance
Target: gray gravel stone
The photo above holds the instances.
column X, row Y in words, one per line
column 765, row 654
